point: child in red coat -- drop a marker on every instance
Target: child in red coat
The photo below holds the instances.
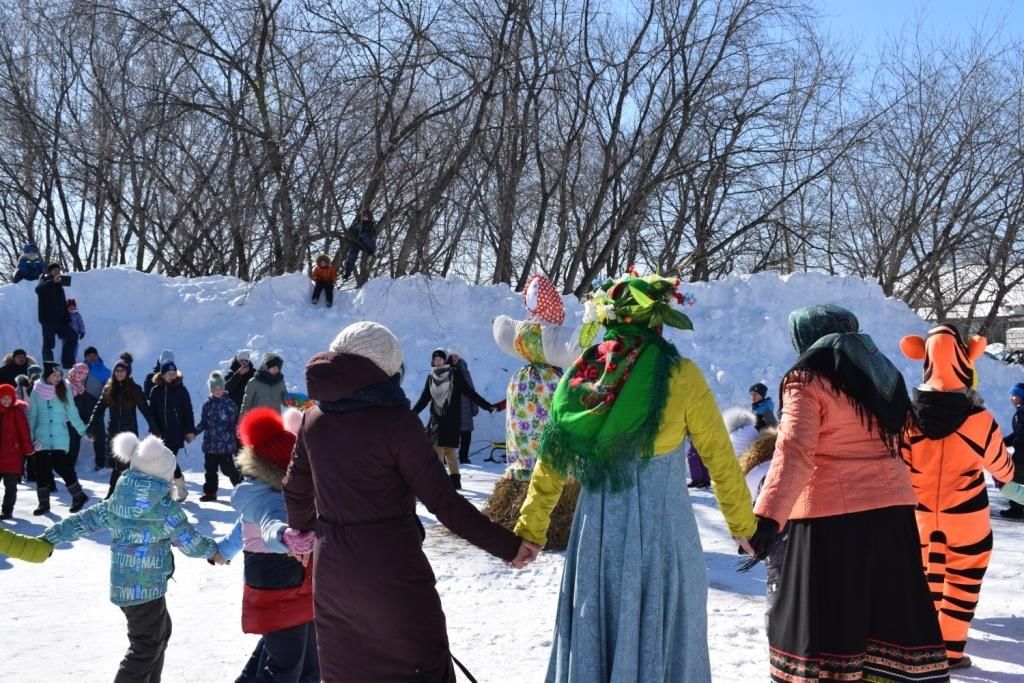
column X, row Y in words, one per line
column 15, row 444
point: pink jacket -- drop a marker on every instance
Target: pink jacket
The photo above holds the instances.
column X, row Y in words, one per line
column 826, row 461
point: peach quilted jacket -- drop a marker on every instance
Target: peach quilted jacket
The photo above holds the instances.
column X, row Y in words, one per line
column 826, row 461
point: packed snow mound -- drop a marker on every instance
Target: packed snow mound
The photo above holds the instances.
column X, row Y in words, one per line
column 740, row 326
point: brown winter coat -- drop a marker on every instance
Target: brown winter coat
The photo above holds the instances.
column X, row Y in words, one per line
column 358, row 467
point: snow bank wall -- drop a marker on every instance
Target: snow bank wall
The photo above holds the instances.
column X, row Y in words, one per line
column 740, row 334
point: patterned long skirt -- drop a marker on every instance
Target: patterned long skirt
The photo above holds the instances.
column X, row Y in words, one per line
column 853, row 604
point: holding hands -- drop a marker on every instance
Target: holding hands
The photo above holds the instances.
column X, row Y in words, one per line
column 300, row 544
column 528, row 552
column 761, row 544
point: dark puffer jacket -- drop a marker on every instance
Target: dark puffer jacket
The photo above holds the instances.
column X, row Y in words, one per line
column 172, row 411
column 122, row 400
column 235, row 381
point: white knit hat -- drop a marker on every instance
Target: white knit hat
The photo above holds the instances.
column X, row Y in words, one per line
column 149, row 456
column 373, row 342
column 243, row 355
column 456, row 351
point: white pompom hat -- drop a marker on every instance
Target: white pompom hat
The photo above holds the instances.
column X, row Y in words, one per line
column 149, row 456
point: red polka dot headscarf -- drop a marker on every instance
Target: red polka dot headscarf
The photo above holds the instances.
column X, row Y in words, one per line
column 542, row 300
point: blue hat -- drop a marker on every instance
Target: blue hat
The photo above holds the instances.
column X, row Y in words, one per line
column 34, row 370
column 30, row 249
column 168, row 366
column 1017, row 390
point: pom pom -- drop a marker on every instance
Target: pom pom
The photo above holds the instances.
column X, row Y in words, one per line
column 124, row 445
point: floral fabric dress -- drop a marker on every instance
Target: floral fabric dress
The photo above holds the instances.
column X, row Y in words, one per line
column 545, row 348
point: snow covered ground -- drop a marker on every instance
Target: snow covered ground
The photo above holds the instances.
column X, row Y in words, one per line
column 59, row 625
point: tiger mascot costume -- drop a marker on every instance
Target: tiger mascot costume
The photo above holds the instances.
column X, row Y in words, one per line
column 950, row 439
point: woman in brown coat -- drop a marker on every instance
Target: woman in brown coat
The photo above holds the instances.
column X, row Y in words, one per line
column 360, row 462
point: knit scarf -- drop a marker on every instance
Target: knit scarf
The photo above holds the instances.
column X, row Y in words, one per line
column 76, row 380
column 440, row 383
column 387, row 394
column 608, row 408
column 45, row 390
column 831, row 345
column 268, row 378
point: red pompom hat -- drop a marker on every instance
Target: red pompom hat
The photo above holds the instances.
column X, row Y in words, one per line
column 262, row 429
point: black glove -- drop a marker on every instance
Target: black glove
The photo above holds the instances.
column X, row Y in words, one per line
column 764, row 540
column 490, row 408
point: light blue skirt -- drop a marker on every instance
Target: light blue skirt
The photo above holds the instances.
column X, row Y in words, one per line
column 633, row 603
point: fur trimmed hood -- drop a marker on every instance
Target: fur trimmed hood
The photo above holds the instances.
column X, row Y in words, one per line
column 254, row 467
column 737, row 417
column 760, row 451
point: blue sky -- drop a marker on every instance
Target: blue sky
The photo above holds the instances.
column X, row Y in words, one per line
column 868, row 22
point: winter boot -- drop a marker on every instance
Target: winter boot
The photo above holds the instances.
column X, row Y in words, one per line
column 315, row 301
column 179, row 491
column 78, row 497
column 6, row 514
column 208, row 496
column 44, row 501
column 961, row 663
column 456, row 481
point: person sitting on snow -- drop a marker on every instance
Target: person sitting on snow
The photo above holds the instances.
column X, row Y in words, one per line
column 324, row 276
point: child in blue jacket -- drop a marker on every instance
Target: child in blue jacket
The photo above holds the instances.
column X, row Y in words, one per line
column 144, row 523
column 763, row 407
column 277, row 599
column 217, row 425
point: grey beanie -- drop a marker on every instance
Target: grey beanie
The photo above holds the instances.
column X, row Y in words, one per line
column 373, row 342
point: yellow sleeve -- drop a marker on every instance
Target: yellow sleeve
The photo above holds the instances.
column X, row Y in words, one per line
column 710, row 438
column 541, row 498
column 22, row 547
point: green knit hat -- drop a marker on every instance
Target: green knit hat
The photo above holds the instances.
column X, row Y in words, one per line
column 216, row 381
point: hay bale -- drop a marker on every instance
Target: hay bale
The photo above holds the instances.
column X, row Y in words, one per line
column 507, row 499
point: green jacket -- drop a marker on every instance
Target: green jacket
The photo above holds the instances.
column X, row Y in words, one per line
column 264, row 389
column 48, row 420
column 144, row 522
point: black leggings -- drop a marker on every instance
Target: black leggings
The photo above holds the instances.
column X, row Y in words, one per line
column 47, row 462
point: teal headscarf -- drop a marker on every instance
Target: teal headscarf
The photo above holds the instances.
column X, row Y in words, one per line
column 830, row 343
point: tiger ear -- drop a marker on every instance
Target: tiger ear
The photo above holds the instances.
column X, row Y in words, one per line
column 976, row 347
column 912, row 347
